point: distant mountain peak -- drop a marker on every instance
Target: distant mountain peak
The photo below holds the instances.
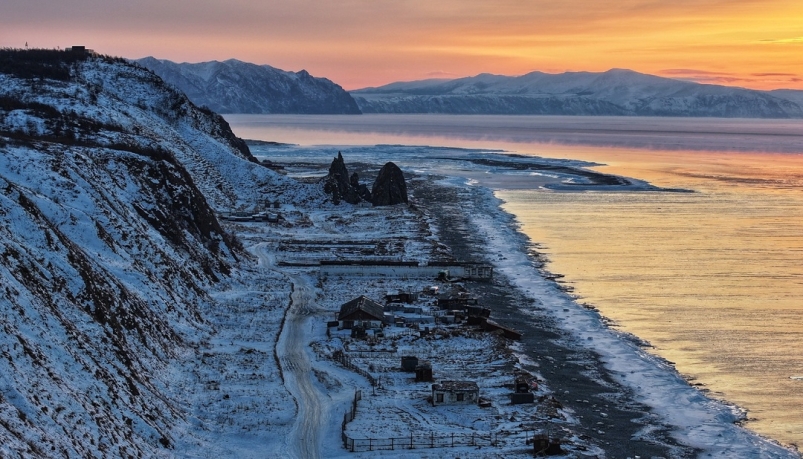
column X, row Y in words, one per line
column 234, row 86
column 614, row 92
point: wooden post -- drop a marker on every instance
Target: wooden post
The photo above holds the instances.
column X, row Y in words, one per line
column 411, row 440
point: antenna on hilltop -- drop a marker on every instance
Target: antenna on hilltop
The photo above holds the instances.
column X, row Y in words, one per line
column 26, row 45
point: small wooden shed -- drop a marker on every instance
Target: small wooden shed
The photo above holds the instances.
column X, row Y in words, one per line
column 423, row 371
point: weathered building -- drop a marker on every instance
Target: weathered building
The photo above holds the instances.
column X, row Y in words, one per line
column 423, row 371
column 455, row 393
column 362, row 312
column 409, row 363
column 401, row 297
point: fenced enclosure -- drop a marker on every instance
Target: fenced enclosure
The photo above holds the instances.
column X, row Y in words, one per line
column 345, row 360
column 419, row 441
column 413, row 441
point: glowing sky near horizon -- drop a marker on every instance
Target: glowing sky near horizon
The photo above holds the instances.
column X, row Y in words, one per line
column 360, row 43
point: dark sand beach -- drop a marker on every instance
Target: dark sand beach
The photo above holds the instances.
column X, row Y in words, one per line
column 576, row 375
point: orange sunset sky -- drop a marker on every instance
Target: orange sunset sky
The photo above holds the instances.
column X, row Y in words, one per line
column 359, row 43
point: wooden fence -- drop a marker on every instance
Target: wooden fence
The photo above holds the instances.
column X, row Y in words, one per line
column 419, row 441
column 349, row 415
column 373, row 354
column 343, row 359
column 413, row 441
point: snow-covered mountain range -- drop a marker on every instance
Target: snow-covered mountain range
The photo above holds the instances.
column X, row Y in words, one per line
column 134, row 325
column 615, row 92
column 234, row 86
column 109, row 248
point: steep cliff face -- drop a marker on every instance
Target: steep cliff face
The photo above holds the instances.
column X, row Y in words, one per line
column 234, row 86
column 616, row 92
column 109, row 248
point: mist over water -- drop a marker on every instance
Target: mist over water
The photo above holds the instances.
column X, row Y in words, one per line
column 713, row 279
column 491, row 131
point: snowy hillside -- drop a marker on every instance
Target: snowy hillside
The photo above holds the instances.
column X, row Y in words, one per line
column 109, row 252
column 233, row 86
column 615, row 92
column 793, row 95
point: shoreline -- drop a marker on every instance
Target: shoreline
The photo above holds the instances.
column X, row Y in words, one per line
column 576, row 376
column 568, row 346
column 662, row 427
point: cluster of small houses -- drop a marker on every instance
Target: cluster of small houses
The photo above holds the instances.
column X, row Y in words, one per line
column 363, row 316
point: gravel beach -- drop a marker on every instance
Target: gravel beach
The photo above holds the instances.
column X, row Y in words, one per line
column 607, row 415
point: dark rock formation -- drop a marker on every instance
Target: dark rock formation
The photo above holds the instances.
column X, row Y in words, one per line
column 362, row 189
column 389, row 187
column 338, row 185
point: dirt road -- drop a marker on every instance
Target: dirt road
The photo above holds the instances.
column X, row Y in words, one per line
column 305, row 438
column 304, row 441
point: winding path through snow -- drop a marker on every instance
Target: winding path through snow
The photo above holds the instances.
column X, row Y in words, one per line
column 305, row 437
column 304, row 441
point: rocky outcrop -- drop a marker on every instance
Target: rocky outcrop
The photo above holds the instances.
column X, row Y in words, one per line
column 389, row 188
column 339, row 185
column 362, row 189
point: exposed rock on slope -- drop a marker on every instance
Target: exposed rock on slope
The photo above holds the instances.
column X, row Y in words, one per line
column 342, row 187
column 108, row 250
column 615, row 92
column 389, row 188
column 337, row 183
column 234, row 86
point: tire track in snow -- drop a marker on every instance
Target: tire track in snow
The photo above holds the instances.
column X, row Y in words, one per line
column 304, row 438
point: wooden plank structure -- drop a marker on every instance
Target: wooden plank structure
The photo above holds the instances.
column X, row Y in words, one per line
column 363, row 311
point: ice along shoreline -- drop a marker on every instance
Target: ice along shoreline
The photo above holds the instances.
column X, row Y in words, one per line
column 676, row 409
column 676, row 418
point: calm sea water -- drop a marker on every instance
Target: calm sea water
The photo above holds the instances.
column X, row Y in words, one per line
column 713, row 279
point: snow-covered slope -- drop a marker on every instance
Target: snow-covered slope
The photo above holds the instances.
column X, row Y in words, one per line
column 109, row 249
column 234, row 86
column 793, row 95
column 615, row 92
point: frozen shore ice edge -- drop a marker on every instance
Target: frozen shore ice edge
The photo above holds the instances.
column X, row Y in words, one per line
column 690, row 416
column 693, row 418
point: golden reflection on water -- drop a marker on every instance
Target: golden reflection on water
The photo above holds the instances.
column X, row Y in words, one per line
column 713, row 279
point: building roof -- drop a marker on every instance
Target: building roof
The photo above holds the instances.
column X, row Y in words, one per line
column 362, row 304
column 456, row 386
